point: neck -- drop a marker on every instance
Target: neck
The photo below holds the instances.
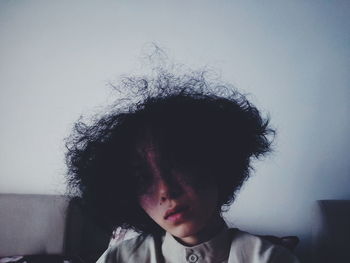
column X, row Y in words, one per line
column 205, row 234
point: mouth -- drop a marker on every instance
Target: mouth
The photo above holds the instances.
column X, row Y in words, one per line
column 176, row 213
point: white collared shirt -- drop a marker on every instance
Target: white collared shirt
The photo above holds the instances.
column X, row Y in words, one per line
column 215, row 250
column 229, row 246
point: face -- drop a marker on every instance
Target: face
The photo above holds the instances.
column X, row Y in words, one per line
column 178, row 207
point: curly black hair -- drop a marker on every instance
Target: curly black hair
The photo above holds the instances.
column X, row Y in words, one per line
column 209, row 131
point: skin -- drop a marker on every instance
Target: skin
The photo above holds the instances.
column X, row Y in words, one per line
column 202, row 219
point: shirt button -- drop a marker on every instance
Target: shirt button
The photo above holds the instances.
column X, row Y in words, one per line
column 193, row 258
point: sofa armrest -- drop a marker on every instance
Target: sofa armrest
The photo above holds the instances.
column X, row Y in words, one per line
column 331, row 231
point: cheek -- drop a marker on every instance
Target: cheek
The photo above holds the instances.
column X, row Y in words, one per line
column 148, row 203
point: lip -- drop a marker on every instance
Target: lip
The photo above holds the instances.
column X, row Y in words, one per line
column 175, row 213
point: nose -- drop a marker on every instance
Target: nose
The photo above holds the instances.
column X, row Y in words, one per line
column 169, row 190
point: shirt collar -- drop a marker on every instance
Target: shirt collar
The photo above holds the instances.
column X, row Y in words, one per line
column 216, row 249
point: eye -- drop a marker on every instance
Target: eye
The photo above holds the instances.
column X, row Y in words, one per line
column 144, row 182
column 194, row 179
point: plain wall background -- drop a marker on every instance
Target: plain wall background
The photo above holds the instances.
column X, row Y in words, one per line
column 293, row 57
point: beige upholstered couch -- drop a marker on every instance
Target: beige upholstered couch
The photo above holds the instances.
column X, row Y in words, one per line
column 331, row 231
column 48, row 225
column 44, row 225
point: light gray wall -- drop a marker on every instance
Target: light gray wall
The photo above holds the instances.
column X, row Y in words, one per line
column 293, row 57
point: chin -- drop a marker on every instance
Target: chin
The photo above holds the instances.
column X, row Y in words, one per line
column 184, row 230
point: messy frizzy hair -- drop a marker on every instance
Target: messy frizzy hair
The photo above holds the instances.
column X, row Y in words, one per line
column 203, row 128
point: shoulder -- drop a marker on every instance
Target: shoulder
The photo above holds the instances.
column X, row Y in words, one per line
column 136, row 249
column 246, row 247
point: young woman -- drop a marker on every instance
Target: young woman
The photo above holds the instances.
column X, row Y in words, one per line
column 166, row 164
